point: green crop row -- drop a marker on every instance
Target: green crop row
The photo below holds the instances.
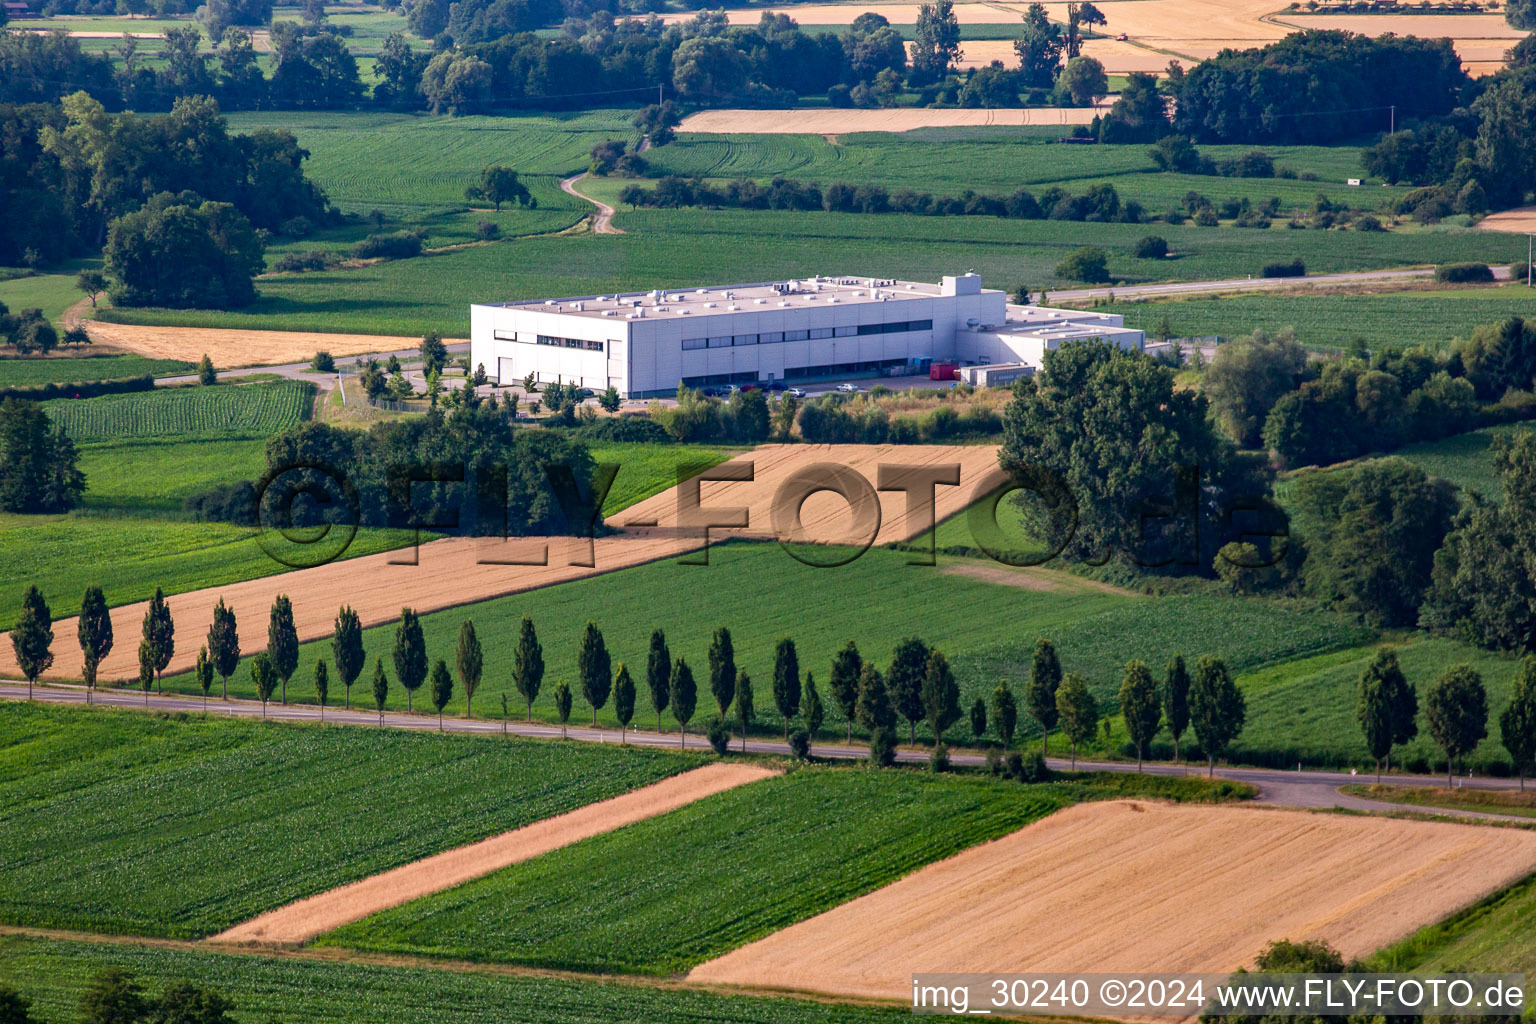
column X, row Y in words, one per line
column 230, row 410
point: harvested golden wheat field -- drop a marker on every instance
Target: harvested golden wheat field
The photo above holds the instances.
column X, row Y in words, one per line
column 1130, row 885
column 230, row 349
column 834, row 121
column 457, row 571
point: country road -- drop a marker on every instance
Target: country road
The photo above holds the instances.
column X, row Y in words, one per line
column 1311, row 788
column 602, row 219
column 1173, row 289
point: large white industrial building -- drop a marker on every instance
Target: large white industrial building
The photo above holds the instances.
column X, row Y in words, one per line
column 645, row 344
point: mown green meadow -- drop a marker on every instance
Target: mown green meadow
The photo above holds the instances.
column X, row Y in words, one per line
column 116, row 821
column 292, row 990
column 1328, row 321
column 32, row 372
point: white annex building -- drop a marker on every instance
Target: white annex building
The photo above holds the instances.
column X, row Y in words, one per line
column 645, row 344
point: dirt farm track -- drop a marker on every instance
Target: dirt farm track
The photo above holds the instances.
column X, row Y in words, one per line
column 1136, row 885
column 458, row 571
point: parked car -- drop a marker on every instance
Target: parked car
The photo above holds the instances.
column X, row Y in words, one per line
column 848, row 388
column 796, row 392
column 776, row 385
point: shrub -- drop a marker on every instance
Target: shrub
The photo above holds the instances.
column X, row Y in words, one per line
column 1087, row 264
column 296, row 227
column 1031, row 767
column 938, row 759
column 1206, row 218
column 800, row 744
column 323, row 363
column 1367, row 222
column 394, row 245
column 1153, row 247
column 1295, row 268
column 882, row 747
column 627, row 429
column 719, row 735
column 296, row 262
column 487, row 230
column 1464, row 273
column 226, row 503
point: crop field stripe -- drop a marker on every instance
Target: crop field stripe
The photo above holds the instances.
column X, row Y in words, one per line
column 264, row 408
column 121, row 822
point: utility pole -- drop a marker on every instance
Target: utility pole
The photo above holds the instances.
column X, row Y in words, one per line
column 1394, row 118
column 1530, row 244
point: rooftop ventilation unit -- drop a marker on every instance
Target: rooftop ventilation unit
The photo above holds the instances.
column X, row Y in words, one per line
column 610, row 312
column 710, row 305
column 761, row 302
column 579, row 307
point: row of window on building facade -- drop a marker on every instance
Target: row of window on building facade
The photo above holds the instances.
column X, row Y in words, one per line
column 809, row 334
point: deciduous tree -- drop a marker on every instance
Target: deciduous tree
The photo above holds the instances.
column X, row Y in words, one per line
column 978, row 719
column 1176, row 700
column 904, row 681
column 94, row 631
column 684, row 697
column 1005, row 713
column 786, row 681
column 722, row 669
column 380, row 687
column 528, row 664
column 1456, row 709
column 322, row 684
column 658, row 674
column 1217, row 709
column 469, row 659
column 744, row 705
column 873, row 709
column 844, row 684
column 442, row 689
column 811, row 708
column 410, row 654
column 940, row 695
column 623, row 699
column 265, row 678
column 1386, row 707
column 160, row 631
column 1040, row 691
column 1140, row 706
column 282, row 642
column 1517, row 724
column 224, row 644
column 1077, row 710
column 563, row 704
column 203, row 673
column 32, row 636
column 347, row 648
column 594, row 668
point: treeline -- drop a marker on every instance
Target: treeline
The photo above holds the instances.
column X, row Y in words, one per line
column 1100, row 203
column 180, row 207
column 1264, row 390
column 114, row 996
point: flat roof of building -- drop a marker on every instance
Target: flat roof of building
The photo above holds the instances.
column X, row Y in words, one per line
column 1060, row 329
column 736, row 298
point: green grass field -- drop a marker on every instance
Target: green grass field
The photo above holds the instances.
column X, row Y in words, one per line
column 668, row 247
column 1514, row 803
column 52, row 293
column 1304, row 710
column 647, row 469
column 289, row 990
column 993, row 164
column 1494, row 935
column 1330, row 321
column 738, row 866
column 23, row 372
column 153, row 476
column 757, row 590
column 121, row 822
column 231, row 409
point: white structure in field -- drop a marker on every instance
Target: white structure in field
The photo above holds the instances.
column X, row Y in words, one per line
column 645, row 344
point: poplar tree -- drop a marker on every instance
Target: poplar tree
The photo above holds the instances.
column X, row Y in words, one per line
column 528, row 664
column 844, row 684
column 1005, row 713
column 623, row 699
column 904, row 681
column 1140, row 706
column 469, row 659
column 814, row 712
column 1176, row 700
column 722, row 669
column 147, row 667
column 941, row 696
column 203, row 673
column 684, row 697
column 1383, row 699
column 1077, row 710
column 380, row 686
column 265, row 678
column 224, row 645
column 786, row 681
column 282, row 641
column 410, row 655
column 594, row 668
column 873, row 707
column 562, row 704
column 160, row 631
column 442, row 689
column 32, row 637
column 658, row 674
column 744, row 706
column 1040, row 692
column 347, row 648
column 979, row 719
column 322, row 684
column 94, row 632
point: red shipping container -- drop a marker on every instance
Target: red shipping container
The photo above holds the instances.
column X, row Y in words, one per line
column 943, row 371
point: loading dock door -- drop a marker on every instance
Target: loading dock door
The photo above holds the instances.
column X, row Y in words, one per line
column 504, row 374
